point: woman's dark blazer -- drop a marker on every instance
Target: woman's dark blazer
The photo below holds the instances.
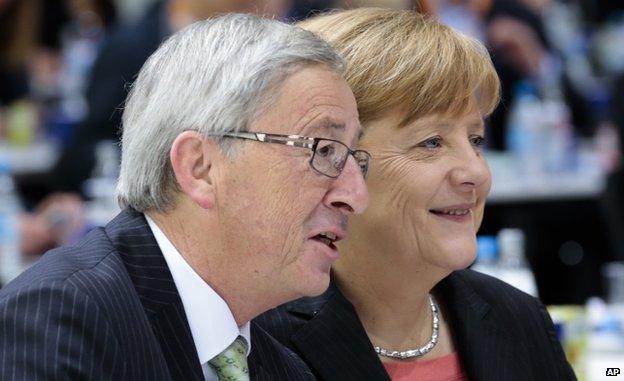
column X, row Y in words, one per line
column 501, row 333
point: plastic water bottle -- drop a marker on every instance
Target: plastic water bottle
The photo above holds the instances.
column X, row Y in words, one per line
column 524, row 130
column 605, row 335
column 559, row 144
column 512, row 266
column 100, row 188
column 10, row 208
column 487, row 255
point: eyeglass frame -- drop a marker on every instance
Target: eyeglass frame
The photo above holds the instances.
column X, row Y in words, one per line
column 302, row 142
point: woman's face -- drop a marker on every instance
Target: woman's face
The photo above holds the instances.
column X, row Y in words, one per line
column 428, row 183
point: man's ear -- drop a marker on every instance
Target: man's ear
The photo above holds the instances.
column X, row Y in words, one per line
column 192, row 159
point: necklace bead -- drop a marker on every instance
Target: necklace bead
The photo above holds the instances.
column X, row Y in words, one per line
column 412, row 353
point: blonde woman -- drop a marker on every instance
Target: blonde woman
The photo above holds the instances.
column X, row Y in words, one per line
column 401, row 304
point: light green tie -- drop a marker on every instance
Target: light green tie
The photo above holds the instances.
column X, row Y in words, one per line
column 231, row 364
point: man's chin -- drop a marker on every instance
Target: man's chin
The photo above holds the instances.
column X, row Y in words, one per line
column 316, row 286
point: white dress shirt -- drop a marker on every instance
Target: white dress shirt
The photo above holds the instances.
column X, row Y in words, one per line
column 212, row 324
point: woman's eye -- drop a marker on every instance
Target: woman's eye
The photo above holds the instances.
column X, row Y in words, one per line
column 477, row 141
column 431, row 143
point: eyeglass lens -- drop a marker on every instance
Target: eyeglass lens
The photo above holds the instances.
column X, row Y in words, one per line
column 330, row 158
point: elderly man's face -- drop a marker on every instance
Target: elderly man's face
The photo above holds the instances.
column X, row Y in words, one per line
column 273, row 205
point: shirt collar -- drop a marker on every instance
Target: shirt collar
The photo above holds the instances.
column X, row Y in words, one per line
column 212, row 324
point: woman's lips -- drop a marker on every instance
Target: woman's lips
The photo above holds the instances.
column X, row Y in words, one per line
column 453, row 214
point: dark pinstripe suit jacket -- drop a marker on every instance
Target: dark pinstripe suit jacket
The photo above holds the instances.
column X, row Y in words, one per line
column 108, row 309
column 501, row 334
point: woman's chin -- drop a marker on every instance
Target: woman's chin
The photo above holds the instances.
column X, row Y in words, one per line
column 455, row 260
column 465, row 262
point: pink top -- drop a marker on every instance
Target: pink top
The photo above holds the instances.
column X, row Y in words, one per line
column 446, row 368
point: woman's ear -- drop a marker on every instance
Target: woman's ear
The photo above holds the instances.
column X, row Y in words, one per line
column 192, row 159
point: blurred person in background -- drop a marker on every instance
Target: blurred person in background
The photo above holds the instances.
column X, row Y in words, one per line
column 34, row 35
column 117, row 65
column 35, row 68
column 617, row 113
column 234, row 184
column 401, row 304
column 92, row 103
column 18, row 32
column 20, row 39
column 516, row 39
column 613, row 197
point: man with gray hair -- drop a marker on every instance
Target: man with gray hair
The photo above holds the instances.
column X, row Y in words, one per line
column 237, row 178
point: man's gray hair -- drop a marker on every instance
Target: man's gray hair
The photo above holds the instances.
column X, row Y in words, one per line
column 214, row 77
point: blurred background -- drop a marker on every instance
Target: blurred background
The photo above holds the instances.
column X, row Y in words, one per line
column 554, row 221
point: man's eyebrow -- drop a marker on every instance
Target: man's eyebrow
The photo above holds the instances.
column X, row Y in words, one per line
column 331, row 125
column 339, row 127
column 326, row 124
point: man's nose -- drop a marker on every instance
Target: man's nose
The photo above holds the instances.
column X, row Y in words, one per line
column 349, row 193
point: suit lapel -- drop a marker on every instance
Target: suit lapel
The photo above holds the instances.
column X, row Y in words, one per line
column 487, row 353
column 256, row 371
column 269, row 360
column 152, row 279
column 333, row 342
column 257, row 356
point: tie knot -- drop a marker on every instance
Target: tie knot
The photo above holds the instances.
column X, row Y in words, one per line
column 231, row 364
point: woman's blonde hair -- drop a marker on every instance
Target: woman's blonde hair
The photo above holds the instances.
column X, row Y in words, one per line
column 401, row 58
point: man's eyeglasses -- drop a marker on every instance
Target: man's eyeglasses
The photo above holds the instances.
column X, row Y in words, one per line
column 328, row 156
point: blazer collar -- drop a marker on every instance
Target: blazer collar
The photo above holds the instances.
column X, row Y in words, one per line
column 257, row 357
column 333, row 342
column 134, row 241
column 334, row 335
column 477, row 331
